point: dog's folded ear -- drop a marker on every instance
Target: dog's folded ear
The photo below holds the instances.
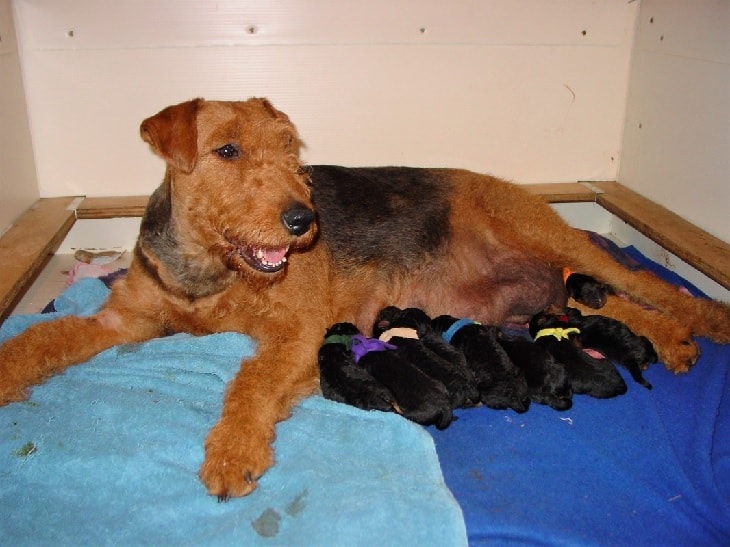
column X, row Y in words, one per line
column 275, row 112
column 172, row 133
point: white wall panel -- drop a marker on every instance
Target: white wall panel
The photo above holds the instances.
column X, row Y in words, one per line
column 529, row 90
column 108, row 24
column 676, row 148
column 18, row 185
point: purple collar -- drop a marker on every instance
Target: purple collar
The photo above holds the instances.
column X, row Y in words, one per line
column 362, row 345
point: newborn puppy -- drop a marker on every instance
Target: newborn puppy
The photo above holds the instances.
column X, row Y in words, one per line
column 616, row 341
column 368, row 374
column 501, row 384
column 588, row 375
column 411, row 332
column 548, row 382
column 587, row 290
column 343, row 380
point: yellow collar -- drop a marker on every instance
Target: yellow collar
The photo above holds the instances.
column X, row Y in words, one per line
column 557, row 332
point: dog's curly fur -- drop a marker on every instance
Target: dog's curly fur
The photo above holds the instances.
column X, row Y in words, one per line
column 235, row 201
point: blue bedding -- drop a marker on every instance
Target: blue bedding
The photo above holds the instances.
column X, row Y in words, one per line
column 646, row 468
column 108, row 454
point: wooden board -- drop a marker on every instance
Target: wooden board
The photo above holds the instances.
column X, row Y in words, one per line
column 133, row 206
column 28, row 244
column 702, row 250
column 563, row 192
column 112, row 207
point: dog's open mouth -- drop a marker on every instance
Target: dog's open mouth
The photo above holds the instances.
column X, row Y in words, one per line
column 264, row 259
column 260, row 258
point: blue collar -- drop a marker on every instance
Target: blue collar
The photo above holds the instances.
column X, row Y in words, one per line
column 453, row 329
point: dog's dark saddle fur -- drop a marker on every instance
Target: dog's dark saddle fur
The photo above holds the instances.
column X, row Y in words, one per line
column 367, row 213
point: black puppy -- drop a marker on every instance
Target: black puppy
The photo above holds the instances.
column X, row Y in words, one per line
column 501, row 384
column 609, row 336
column 344, row 381
column 411, row 332
column 588, row 375
column 370, row 375
column 586, row 290
column 548, row 382
column 616, row 341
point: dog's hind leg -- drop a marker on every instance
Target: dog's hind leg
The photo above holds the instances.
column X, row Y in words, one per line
column 704, row 317
column 674, row 317
column 525, row 221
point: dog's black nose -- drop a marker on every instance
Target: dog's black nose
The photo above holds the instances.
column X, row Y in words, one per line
column 297, row 219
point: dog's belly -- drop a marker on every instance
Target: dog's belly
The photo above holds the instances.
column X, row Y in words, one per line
column 501, row 288
column 489, row 300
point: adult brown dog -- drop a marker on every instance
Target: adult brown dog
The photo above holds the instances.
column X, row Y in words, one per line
column 241, row 237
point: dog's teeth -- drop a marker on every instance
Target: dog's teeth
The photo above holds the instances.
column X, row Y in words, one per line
column 259, row 254
column 283, row 259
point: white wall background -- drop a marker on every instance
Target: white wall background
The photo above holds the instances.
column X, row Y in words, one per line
column 529, row 90
column 676, row 147
column 18, row 185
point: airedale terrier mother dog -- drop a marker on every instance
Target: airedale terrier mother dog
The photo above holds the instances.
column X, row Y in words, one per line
column 240, row 236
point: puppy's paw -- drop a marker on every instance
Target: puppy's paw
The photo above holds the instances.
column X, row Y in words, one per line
column 234, row 462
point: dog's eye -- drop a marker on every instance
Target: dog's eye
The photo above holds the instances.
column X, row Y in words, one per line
column 227, row 152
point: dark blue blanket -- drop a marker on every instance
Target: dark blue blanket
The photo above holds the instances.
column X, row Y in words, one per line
column 646, row 468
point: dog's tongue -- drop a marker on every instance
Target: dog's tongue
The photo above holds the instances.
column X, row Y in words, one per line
column 274, row 256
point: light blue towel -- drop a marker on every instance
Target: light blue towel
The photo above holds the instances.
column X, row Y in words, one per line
column 108, row 453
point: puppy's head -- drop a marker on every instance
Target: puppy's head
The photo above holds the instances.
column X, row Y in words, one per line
column 237, row 188
column 392, row 317
column 587, row 290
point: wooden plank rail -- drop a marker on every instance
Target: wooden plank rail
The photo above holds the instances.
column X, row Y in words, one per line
column 696, row 247
column 26, row 247
column 114, row 207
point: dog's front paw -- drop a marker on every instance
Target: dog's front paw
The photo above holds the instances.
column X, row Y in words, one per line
column 12, row 393
column 234, row 462
column 13, row 387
